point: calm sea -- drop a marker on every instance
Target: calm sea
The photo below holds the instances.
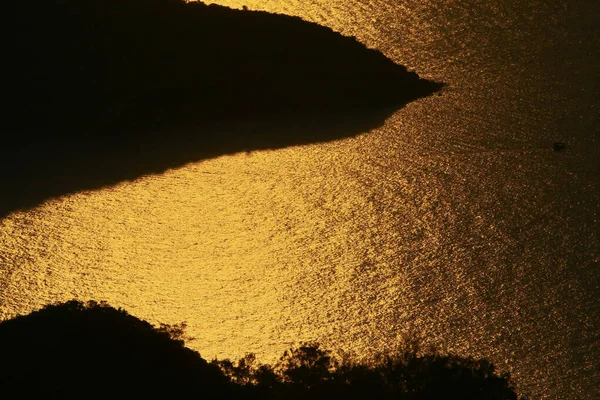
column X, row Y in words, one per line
column 455, row 222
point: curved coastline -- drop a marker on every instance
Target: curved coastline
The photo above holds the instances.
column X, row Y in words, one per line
column 96, row 84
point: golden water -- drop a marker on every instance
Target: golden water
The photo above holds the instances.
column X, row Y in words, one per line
column 454, row 222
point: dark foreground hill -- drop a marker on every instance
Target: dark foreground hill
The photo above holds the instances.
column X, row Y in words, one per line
column 100, row 91
column 93, row 351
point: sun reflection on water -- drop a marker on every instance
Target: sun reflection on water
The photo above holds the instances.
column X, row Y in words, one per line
column 455, row 221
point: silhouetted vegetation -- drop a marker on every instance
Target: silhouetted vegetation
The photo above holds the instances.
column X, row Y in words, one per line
column 88, row 351
column 99, row 91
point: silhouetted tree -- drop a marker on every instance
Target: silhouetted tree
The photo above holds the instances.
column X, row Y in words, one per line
column 307, row 365
column 309, row 372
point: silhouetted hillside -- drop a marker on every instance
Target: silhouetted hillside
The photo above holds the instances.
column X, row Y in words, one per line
column 107, row 59
column 88, row 83
column 93, row 351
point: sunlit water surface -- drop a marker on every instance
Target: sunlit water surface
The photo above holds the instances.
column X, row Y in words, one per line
column 455, row 222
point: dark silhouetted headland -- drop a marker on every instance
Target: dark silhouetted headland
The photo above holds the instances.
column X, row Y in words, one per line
column 93, row 351
column 100, row 91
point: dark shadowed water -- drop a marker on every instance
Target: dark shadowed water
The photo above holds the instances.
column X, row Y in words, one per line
column 456, row 221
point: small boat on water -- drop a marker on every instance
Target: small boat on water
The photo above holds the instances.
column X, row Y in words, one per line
column 559, row 146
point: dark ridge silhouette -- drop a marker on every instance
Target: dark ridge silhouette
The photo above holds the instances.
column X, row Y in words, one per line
column 100, row 91
column 90, row 350
column 93, row 351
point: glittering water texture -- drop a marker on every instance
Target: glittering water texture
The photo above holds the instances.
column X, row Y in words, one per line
column 455, row 222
